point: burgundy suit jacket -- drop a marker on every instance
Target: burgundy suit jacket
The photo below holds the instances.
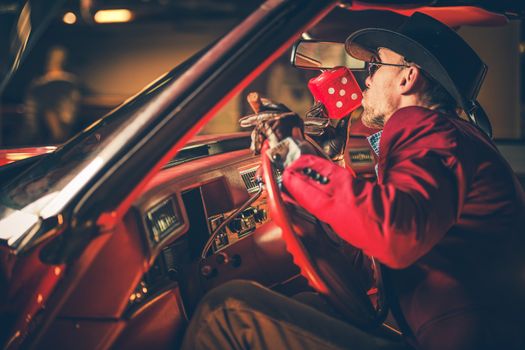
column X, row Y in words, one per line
column 446, row 216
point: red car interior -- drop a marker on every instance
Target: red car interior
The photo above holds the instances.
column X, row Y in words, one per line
column 140, row 278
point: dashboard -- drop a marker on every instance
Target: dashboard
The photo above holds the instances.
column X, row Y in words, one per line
column 188, row 201
column 142, row 279
column 184, row 204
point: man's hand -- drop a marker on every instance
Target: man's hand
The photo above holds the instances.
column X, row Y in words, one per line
column 273, row 122
column 277, row 129
column 263, row 110
column 330, row 134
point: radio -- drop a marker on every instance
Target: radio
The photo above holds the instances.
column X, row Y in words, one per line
column 240, row 226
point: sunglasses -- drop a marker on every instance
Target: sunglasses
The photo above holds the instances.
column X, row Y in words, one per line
column 372, row 67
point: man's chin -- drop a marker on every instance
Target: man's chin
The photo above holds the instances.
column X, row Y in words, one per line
column 372, row 122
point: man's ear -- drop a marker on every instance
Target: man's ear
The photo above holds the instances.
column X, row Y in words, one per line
column 411, row 79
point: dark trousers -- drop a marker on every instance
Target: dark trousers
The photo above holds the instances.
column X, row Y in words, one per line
column 246, row 315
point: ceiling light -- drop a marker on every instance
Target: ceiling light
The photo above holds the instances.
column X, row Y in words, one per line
column 69, row 18
column 113, row 16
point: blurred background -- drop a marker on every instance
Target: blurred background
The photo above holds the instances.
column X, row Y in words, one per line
column 66, row 63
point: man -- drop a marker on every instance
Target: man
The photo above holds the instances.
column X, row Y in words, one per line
column 52, row 102
column 445, row 214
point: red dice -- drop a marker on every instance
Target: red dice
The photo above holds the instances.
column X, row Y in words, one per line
column 337, row 90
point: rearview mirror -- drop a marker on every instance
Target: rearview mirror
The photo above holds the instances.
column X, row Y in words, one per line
column 313, row 54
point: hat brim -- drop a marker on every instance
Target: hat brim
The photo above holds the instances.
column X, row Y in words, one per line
column 363, row 45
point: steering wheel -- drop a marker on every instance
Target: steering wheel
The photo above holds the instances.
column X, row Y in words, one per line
column 332, row 267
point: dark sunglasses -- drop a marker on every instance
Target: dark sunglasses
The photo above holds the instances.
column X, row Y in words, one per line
column 372, row 67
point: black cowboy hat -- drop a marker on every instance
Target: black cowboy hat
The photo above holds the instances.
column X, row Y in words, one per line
column 436, row 49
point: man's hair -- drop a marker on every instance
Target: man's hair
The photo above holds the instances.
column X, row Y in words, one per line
column 435, row 94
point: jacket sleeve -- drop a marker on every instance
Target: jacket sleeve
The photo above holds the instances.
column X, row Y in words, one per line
column 396, row 221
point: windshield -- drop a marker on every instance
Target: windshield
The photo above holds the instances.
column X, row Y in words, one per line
column 68, row 168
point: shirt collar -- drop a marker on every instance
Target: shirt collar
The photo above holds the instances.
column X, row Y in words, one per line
column 373, row 140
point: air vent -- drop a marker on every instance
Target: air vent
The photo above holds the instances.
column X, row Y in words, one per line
column 248, row 177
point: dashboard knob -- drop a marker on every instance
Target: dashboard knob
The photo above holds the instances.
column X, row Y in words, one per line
column 236, row 260
column 260, row 215
column 208, row 271
column 235, row 225
column 221, row 258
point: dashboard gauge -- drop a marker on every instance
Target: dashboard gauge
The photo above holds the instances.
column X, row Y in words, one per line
column 162, row 219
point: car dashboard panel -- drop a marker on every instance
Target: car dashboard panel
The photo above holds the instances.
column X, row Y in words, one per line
column 152, row 261
column 188, row 201
column 163, row 219
column 181, row 208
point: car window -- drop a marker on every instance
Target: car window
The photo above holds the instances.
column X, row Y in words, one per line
column 77, row 159
column 280, row 82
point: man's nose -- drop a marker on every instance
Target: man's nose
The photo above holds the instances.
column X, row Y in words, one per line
column 368, row 81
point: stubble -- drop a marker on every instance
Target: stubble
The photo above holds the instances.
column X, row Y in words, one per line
column 372, row 117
